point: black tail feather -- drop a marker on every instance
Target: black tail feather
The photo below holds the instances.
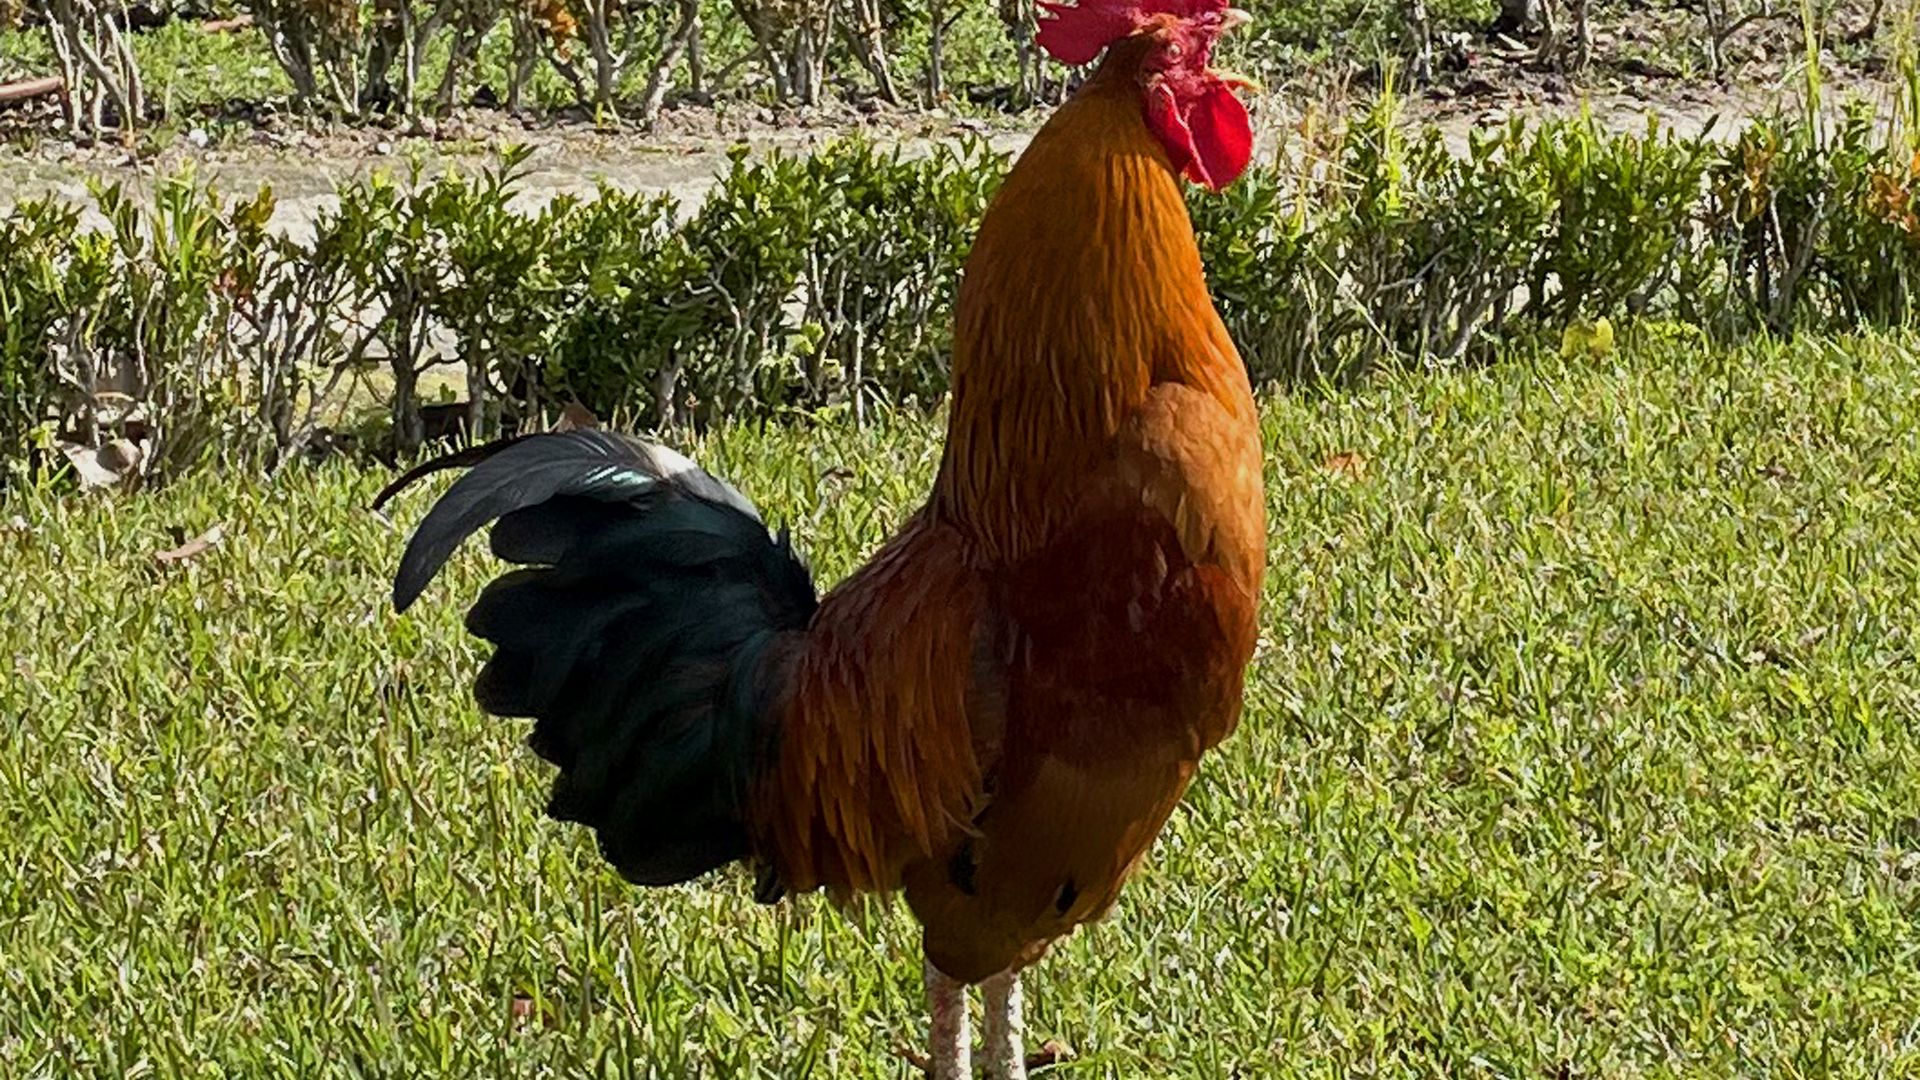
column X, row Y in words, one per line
column 637, row 635
column 528, row 470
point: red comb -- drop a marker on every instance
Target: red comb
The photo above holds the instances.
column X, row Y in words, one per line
column 1077, row 32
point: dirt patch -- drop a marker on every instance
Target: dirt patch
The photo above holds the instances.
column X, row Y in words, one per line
column 304, row 162
column 1494, row 91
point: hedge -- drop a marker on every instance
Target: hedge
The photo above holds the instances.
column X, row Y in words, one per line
column 828, row 281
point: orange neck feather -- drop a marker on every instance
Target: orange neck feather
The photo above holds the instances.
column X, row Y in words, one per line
column 1082, row 290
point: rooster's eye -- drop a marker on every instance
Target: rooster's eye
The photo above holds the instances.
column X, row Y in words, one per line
column 1174, row 50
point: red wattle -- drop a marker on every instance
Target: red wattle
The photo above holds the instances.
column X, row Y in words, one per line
column 1207, row 134
column 1222, row 136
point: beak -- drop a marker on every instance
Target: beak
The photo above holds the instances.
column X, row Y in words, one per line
column 1234, row 18
column 1240, row 82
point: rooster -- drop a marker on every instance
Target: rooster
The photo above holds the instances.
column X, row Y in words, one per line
column 998, row 712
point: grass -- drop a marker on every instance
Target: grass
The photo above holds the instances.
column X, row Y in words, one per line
column 181, row 67
column 1580, row 742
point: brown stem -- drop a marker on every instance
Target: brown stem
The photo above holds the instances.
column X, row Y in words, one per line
column 678, row 40
column 936, row 50
column 696, row 58
column 867, row 35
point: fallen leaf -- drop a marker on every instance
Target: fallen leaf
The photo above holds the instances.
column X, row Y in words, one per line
column 1347, row 463
column 1587, row 339
column 524, row 1009
column 105, row 466
column 191, row 548
column 914, row 1057
column 1051, row 1052
column 1602, row 336
column 576, row 416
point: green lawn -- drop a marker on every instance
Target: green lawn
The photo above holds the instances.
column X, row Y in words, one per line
column 1582, row 742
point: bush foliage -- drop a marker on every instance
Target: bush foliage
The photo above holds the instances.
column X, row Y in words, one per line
column 829, row 281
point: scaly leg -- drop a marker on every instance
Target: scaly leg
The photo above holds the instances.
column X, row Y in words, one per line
column 1004, row 1038
column 952, row 1050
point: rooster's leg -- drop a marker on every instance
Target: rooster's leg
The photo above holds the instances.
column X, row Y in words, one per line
column 1004, row 1045
column 952, row 1050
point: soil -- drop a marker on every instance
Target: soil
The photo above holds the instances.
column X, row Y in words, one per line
column 302, row 160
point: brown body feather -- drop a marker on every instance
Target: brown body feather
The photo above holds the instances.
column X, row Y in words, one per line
column 1000, row 711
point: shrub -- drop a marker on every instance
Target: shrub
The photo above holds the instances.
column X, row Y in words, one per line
column 1622, row 220
column 35, row 302
column 798, row 283
column 631, row 307
column 886, row 245
column 1870, row 252
column 156, row 359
